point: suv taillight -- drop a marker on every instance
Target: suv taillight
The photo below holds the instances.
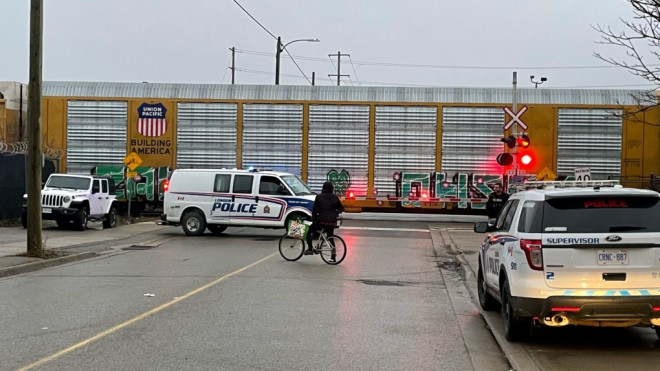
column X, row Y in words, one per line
column 166, row 185
column 533, row 253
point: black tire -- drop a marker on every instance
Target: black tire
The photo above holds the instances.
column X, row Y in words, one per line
column 24, row 219
column 216, row 229
column 515, row 328
column 110, row 219
column 340, row 250
column 80, row 220
column 486, row 300
column 193, row 223
column 291, row 248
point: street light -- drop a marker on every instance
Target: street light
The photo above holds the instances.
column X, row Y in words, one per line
column 280, row 49
column 537, row 83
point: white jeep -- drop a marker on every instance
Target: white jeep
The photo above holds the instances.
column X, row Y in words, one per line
column 74, row 199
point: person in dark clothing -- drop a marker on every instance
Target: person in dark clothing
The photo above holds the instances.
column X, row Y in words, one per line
column 325, row 211
column 496, row 201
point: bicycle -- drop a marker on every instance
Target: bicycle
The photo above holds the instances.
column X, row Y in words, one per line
column 293, row 249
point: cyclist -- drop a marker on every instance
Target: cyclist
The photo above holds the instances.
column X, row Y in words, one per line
column 325, row 211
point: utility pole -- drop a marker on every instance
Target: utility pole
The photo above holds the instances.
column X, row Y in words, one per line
column 34, row 159
column 339, row 75
column 233, row 67
column 277, row 60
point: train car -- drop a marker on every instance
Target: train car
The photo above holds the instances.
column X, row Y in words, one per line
column 382, row 147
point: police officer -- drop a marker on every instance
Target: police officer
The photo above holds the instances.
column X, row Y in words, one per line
column 496, row 201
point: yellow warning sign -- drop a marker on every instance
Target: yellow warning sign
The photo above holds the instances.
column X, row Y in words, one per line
column 546, row 174
column 132, row 161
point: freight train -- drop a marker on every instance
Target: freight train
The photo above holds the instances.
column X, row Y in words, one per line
column 382, row 147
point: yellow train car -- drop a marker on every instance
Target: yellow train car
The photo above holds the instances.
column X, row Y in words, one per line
column 383, row 147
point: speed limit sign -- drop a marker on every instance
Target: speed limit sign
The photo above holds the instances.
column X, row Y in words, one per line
column 583, row 174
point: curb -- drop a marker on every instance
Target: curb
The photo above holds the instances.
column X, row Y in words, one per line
column 34, row 266
column 515, row 353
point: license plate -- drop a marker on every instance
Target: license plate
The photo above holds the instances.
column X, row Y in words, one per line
column 46, row 210
column 607, row 257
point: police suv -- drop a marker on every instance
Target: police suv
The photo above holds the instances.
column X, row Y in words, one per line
column 564, row 255
column 199, row 199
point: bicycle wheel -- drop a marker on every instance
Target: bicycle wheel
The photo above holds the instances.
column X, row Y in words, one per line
column 340, row 250
column 291, row 248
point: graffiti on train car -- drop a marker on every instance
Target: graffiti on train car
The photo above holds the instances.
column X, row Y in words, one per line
column 420, row 189
column 147, row 185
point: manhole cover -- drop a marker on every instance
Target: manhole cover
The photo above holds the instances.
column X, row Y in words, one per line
column 384, row 283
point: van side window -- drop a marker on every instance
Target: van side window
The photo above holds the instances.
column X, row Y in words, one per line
column 269, row 185
column 243, row 183
column 222, row 182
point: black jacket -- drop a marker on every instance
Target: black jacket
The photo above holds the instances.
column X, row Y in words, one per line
column 495, row 204
column 327, row 207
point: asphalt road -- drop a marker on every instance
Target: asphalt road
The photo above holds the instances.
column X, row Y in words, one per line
column 397, row 302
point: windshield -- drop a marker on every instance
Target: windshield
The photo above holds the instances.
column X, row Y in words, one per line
column 605, row 214
column 68, row 182
column 298, row 187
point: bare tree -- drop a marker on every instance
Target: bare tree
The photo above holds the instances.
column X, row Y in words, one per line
column 641, row 41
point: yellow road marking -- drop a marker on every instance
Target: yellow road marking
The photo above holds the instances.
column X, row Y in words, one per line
column 141, row 316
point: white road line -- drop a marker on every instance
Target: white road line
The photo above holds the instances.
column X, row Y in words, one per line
column 387, row 229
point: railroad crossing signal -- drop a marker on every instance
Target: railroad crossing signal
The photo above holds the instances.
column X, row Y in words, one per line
column 515, row 118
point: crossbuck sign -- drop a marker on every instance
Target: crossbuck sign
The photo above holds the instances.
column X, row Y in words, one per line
column 515, row 118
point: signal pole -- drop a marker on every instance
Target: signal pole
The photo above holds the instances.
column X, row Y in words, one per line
column 515, row 126
column 34, row 158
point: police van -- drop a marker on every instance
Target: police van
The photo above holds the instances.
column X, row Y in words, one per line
column 199, row 199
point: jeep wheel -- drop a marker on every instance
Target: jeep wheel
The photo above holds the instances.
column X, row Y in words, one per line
column 193, row 223
column 110, row 219
column 515, row 328
column 486, row 300
column 80, row 220
column 24, row 219
column 216, row 229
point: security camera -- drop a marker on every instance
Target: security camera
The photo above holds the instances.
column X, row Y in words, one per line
column 531, row 77
column 544, row 79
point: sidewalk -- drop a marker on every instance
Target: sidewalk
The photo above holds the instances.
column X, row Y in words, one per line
column 465, row 244
column 65, row 246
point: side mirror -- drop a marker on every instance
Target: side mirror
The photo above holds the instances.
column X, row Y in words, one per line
column 482, row 227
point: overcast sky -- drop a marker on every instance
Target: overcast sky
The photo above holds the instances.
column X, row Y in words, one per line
column 472, row 43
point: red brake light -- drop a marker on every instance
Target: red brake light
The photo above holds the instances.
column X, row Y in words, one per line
column 533, row 253
column 351, row 194
column 166, row 185
column 565, row 309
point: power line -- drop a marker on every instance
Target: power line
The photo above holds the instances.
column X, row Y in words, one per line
column 354, row 70
column 299, row 69
column 254, row 19
column 410, row 65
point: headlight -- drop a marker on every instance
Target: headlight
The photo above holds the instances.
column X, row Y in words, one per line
column 66, row 199
column 25, row 196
